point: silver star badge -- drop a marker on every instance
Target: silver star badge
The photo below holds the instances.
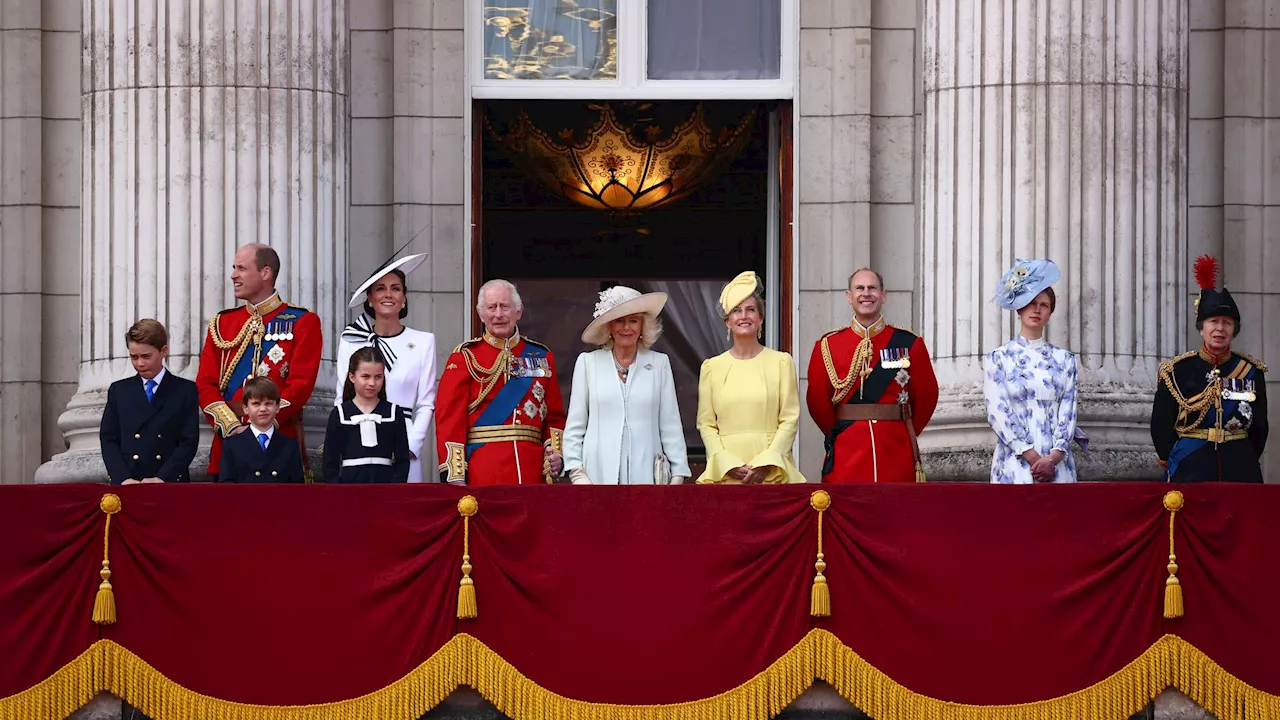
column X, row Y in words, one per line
column 263, row 370
column 902, row 378
column 530, row 409
column 539, row 392
column 904, row 397
column 276, row 354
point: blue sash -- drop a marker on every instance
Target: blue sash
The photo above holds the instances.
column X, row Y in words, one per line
column 245, row 369
column 504, row 403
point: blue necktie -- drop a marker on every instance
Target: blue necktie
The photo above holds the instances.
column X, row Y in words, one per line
column 262, row 440
column 151, row 389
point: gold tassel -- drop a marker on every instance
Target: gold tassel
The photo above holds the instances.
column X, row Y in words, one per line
column 104, row 605
column 919, row 471
column 1173, row 609
column 467, row 609
column 820, row 597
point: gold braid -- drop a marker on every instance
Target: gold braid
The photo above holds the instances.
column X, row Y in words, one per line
column 1202, row 402
column 861, row 364
column 255, row 327
column 486, row 376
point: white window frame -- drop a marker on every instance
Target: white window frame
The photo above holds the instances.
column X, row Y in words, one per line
column 632, row 83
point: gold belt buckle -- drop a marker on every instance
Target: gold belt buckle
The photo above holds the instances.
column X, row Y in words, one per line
column 1217, row 435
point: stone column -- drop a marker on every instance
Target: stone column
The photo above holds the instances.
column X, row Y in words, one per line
column 1251, row 186
column 20, row 230
column 1055, row 130
column 207, row 124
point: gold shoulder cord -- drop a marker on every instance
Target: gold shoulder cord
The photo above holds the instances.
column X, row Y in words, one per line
column 253, row 328
column 486, row 376
column 860, row 364
column 1201, row 403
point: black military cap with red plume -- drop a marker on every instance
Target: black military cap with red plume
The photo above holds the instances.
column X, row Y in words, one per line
column 1212, row 302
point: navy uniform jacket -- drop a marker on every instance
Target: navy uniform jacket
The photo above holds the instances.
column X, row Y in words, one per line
column 156, row 438
column 244, row 460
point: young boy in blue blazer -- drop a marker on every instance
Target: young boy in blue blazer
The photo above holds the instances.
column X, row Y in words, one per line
column 151, row 426
column 260, row 454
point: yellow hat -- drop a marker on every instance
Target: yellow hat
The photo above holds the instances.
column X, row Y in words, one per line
column 738, row 290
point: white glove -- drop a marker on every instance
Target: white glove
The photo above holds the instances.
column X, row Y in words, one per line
column 578, row 476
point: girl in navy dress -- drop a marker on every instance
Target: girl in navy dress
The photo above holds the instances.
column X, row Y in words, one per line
column 367, row 440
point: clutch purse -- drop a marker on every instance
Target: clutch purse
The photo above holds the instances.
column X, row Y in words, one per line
column 661, row 470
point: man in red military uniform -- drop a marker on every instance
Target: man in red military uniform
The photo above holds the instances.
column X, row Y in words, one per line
column 499, row 416
column 871, row 391
column 262, row 338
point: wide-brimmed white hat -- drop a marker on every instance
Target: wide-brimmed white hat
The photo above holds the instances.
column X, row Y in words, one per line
column 406, row 265
column 617, row 302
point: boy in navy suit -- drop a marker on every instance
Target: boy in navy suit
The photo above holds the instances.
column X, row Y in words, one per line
column 260, row 454
column 151, row 426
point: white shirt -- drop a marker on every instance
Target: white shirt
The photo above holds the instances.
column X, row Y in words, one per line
column 158, row 378
column 258, row 433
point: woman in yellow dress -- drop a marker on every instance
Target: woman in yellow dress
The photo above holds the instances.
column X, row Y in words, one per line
column 748, row 402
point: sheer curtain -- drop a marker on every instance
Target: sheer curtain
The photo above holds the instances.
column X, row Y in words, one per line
column 715, row 39
column 691, row 333
column 551, row 39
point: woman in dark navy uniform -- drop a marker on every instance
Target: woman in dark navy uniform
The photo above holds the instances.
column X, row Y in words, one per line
column 367, row 440
column 1209, row 420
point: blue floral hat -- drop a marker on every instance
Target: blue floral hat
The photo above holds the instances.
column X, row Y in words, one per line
column 1024, row 281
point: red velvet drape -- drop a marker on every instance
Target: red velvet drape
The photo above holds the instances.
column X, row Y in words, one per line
column 309, row 594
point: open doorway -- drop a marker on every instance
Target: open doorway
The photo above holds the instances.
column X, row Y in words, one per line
column 561, row 253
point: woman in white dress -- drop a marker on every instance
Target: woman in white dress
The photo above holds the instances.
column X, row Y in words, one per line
column 1030, row 385
column 410, row 354
column 624, row 426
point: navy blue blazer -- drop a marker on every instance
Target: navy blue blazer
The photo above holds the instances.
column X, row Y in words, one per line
column 156, row 438
column 244, row 460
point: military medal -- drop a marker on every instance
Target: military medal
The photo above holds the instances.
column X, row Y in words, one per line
column 1242, row 390
column 288, row 333
column 539, row 392
column 894, row 358
column 902, row 378
column 530, row 409
column 276, row 354
column 263, row 370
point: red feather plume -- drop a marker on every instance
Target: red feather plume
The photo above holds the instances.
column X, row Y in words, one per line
column 1206, row 270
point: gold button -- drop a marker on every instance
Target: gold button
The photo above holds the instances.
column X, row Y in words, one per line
column 273, row 473
column 137, row 436
column 257, row 474
column 157, row 457
column 135, row 457
column 159, row 436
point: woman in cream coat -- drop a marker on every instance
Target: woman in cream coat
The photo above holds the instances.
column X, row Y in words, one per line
column 624, row 426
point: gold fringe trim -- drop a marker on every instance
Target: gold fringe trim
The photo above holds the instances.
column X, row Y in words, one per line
column 464, row 660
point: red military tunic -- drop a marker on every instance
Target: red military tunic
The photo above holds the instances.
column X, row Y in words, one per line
column 862, row 451
column 272, row 340
column 497, row 406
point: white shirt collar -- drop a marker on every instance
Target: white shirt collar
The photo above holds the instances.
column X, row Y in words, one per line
column 268, row 432
column 158, row 378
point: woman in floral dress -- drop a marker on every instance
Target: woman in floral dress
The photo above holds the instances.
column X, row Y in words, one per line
column 1030, row 386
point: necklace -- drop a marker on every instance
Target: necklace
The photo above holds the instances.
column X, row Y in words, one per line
column 622, row 371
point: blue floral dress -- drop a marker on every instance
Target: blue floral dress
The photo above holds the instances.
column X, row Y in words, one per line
column 1030, row 392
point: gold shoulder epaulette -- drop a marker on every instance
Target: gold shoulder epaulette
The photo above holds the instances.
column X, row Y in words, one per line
column 1167, row 365
column 465, row 343
column 829, row 333
column 1262, row 367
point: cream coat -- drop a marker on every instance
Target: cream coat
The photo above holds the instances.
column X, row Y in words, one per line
column 593, row 430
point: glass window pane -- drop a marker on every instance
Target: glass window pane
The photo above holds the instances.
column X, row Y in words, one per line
column 551, row 39
column 715, row 39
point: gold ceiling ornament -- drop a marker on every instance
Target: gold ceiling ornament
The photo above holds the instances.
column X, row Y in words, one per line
column 613, row 168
